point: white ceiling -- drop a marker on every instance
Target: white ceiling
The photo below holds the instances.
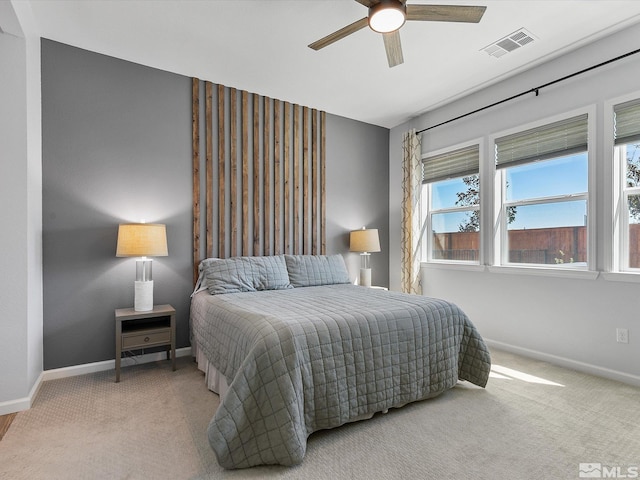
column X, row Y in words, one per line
column 261, row 46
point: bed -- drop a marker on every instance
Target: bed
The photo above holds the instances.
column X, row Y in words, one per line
column 293, row 347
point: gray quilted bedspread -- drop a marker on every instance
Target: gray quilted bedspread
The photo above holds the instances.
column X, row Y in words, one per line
column 312, row 358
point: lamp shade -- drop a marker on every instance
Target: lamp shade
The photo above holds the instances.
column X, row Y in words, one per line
column 142, row 240
column 365, row 240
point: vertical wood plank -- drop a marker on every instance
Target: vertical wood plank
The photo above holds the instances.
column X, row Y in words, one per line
column 221, row 174
column 277, row 247
column 306, row 214
column 256, row 175
column 288, row 178
column 266, row 168
column 323, row 192
column 314, row 182
column 296, row 180
column 245, row 173
column 287, row 164
column 233, row 195
column 208, row 88
column 195, row 150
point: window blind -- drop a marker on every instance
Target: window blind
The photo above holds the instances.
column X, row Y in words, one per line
column 553, row 140
column 627, row 122
column 457, row 163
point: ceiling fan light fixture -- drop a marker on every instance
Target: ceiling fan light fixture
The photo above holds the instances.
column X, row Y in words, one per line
column 387, row 16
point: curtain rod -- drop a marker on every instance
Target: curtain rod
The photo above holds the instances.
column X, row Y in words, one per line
column 535, row 90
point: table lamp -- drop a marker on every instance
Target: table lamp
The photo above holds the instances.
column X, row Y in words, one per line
column 142, row 240
column 365, row 241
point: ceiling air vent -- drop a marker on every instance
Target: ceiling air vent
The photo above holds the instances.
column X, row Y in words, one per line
column 511, row 42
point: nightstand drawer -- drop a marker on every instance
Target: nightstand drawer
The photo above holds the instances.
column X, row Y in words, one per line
column 141, row 339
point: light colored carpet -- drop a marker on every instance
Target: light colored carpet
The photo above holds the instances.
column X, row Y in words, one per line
column 152, row 425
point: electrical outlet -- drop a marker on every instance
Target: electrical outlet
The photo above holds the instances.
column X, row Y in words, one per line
column 622, row 335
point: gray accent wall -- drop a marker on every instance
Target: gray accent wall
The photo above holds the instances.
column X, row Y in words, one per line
column 117, row 148
column 358, row 191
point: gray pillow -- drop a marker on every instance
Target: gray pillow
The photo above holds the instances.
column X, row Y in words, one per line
column 312, row 270
column 245, row 274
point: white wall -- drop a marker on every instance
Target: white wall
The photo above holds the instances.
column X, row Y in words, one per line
column 33, row 245
column 20, row 210
column 565, row 320
column 13, row 218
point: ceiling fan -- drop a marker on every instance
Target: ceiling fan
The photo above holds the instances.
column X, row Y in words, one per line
column 387, row 16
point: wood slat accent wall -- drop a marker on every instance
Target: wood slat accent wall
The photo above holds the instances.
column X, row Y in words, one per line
column 245, row 173
column 287, row 183
column 323, row 192
column 195, row 146
column 267, row 194
column 277, row 237
column 233, row 195
column 209, row 166
column 221, row 171
column 296, row 180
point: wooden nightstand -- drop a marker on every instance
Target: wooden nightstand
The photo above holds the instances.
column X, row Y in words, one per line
column 137, row 330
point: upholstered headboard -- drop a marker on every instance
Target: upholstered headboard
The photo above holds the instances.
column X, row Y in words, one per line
column 263, row 192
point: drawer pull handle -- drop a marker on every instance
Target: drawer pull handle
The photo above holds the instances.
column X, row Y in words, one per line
column 146, row 339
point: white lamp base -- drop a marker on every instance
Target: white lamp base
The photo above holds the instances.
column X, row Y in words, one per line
column 143, row 296
column 365, row 277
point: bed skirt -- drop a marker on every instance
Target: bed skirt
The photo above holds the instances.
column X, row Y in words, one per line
column 213, row 378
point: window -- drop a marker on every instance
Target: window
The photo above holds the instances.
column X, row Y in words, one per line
column 542, row 191
column 452, row 193
column 627, row 154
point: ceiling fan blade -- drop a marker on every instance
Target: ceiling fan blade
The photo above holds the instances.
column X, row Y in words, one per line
column 445, row 13
column 368, row 3
column 393, row 48
column 343, row 32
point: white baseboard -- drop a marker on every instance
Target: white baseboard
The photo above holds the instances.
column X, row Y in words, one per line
column 17, row 405
column 25, row 403
column 567, row 363
column 20, row 404
column 110, row 364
